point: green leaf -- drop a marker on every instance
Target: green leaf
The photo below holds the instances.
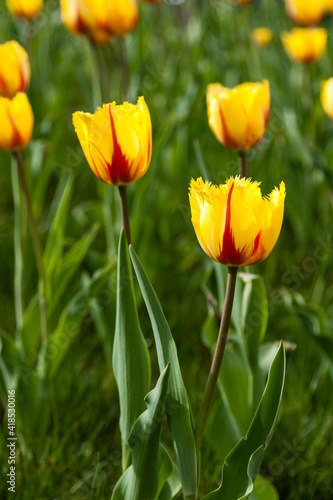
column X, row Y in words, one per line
column 178, row 406
column 69, row 265
column 30, row 335
column 236, row 379
column 69, row 322
column 54, row 244
column 131, row 364
column 151, row 463
column 263, row 490
column 254, row 314
column 172, row 487
column 242, row 465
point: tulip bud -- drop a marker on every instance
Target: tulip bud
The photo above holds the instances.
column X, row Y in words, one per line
column 261, row 36
column 234, row 224
column 305, row 45
column 326, row 97
column 14, row 69
column 99, row 20
column 116, row 141
column 239, row 116
column 27, row 9
column 307, row 12
column 17, row 120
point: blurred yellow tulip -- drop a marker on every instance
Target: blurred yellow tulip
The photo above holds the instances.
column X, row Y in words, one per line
column 305, row 45
column 261, row 36
column 17, row 121
column 14, row 69
column 305, row 12
column 326, row 97
column 234, row 224
column 116, row 141
column 27, row 9
column 239, row 116
column 328, row 6
column 99, row 20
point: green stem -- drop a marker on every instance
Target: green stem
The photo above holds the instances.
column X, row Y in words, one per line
column 36, row 244
column 125, row 213
column 124, row 70
column 217, row 359
column 243, row 164
column 17, row 248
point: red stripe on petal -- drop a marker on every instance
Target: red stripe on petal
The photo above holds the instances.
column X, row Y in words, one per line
column 3, row 86
column 256, row 243
column 120, row 168
column 229, row 254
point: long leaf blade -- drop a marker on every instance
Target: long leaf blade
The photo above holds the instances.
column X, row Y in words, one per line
column 179, row 411
column 131, row 364
column 242, row 464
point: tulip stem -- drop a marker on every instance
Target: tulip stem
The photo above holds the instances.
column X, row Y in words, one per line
column 217, row 359
column 36, row 244
column 125, row 213
column 124, row 70
column 243, row 164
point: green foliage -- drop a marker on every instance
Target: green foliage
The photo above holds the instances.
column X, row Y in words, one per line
column 178, row 405
column 131, row 363
column 242, row 464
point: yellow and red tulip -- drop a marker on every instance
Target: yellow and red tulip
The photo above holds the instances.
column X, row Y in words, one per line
column 261, row 36
column 17, row 120
column 27, row 9
column 239, row 116
column 305, row 12
column 305, row 45
column 326, row 97
column 234, row 224
column 99, row 20
column 14, row 69
column 116, row 141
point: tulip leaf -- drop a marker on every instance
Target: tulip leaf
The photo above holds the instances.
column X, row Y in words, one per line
column 151, row 463
column 131, row 364
column 263, row 490
column 54, row 244
column 178, row 406
column 69, row 322
column 242, row 465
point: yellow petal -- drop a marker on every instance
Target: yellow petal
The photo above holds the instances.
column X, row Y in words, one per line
column 16, row 118
column 27, row 9
column 14, row 69
column 116, row 141
column 238, row 117
column 326, row 97
column 233, row 223
column 305, row 45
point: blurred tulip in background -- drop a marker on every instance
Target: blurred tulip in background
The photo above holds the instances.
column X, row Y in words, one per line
column 261, row 36
column 239, row 116
column 14, row 69
column 305, row 45
column 326, row 97
column 27, row 9
column 99, row 20
column 17, row 120
column 305, row 12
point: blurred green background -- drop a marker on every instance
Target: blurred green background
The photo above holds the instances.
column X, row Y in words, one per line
column 176, row 51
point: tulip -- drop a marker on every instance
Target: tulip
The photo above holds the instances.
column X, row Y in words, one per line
column 239, row 116
column 328, row 6
column 17, row 120
column 234, row 224
column 305, row 45
column 99, row 20
column 116, row 141
column 305, row 12
column 326, row 97
column 261, row 36
column 27, row 9
column 14, row 69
